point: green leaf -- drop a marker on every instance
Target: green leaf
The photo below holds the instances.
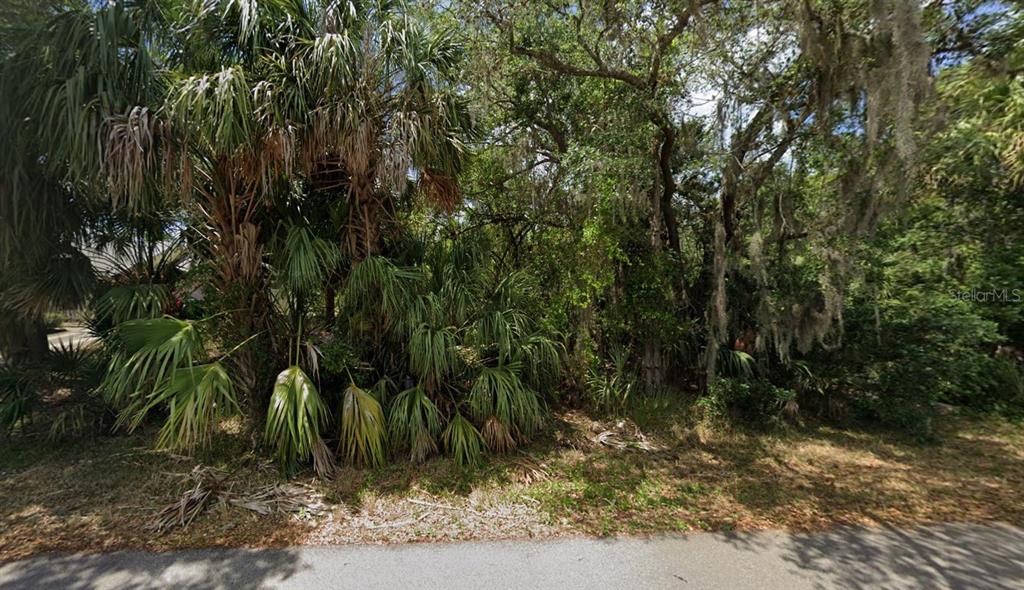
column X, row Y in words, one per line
column 463, row 441
column 414, row 420
column 294, row 418
column 147, row 354
column 362, row 428
column 197, row 398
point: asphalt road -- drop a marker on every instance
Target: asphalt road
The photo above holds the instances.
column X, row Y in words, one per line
column 945, row 556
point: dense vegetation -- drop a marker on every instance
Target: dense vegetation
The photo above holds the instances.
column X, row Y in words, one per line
column 377, row 230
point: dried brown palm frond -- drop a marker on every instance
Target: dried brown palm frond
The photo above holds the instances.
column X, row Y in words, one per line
column 530, row 471
column 282, row 498
column 497, row 436
column 791, row 409
column 327, row 172
column 207, row 481
column 440, row 189
column 277, row 156
column 323, row 461
column 625, row 435
column 209, row 485
column 130, row 154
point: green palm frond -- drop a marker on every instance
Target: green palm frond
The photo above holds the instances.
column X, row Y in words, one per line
column 502, row 329
column 71, row 422
column 414, row 421
column 329, row 62
column 132, row 302
column 612, row 391
column 197, row 398
column 432, row 353
column 294, row 418
column 63, row 282
column 79, row 367
column 137, row 336
column 463, row 441
column 102, row 65
column 459, row 292
column 148, row 352
column 387, row 291
column 216, row 109
column 307, row 260
column 383, row 389
column 363, row 429
column 540, row 357
column 18, row 397
column 736, row 363
column 511, row 290
column 499, row 393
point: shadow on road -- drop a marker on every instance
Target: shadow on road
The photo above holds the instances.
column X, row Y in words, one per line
column 939, row 556
column 205, row 570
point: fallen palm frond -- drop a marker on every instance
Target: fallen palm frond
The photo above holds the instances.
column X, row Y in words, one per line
column 529, row 471
column 209, row 485
column 282, row 498
column 205, row 482
column 625, row 435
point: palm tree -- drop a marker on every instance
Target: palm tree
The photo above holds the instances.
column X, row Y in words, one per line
column 66, row 69
column 254, row 123
column 262, row 105
column 372, row 95
column 345, row 98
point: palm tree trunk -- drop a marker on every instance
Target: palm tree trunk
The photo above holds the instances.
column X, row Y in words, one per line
column 242, row 282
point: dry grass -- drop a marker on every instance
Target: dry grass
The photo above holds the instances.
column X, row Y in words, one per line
column 103, row 494
column 587, row 477
column 808, row 479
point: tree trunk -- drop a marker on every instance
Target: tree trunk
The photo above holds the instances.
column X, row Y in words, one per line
column 662, row 190
column 243, row 288
column 29, row 343
column 654, row 366
column 668, row 185
column 330, row 296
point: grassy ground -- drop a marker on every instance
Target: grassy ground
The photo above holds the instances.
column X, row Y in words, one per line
column 586, row 477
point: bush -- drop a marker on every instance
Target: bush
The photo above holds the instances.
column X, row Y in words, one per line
column 753, row 402
column 920, row 349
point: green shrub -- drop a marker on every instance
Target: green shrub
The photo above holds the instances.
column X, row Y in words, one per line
column 753, row 402
column 921, row 348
